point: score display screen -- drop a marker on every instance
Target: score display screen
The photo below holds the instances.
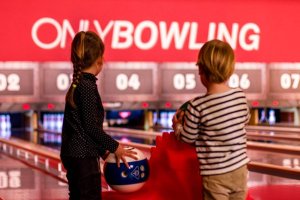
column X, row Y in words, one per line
column 128, row 81
column 179, row 81
column 284, row 79
column 55, row 80
column 250, row 77
column 144, row 81
column 18, row 82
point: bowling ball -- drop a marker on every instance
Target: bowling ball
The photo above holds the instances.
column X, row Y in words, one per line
column 121, row 178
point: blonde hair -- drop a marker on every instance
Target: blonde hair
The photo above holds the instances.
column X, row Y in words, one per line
column 216, row 61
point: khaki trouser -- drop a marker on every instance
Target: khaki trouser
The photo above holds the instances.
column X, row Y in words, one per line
column 232, row 185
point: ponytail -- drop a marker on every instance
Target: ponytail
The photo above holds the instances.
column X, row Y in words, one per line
column 85, row 49
column 76, row 78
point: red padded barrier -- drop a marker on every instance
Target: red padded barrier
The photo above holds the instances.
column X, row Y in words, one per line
column 174, row 173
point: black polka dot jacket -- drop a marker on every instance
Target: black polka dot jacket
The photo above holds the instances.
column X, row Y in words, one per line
column 82, row 133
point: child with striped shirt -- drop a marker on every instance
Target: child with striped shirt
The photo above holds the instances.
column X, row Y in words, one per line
column 215, row 124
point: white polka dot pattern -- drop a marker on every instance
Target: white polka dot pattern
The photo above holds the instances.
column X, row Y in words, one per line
column 83, row 134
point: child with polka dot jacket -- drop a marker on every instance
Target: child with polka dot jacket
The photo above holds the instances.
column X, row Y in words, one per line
column 83, row 137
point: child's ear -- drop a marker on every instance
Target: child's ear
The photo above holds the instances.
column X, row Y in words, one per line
column 100, row 61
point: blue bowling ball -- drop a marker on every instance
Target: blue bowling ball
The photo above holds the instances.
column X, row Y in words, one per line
column 123, row 179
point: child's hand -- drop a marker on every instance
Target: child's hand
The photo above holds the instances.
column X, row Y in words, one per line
column 121, row 153
column 177, row 123
column 178, row 117
column 177, row 130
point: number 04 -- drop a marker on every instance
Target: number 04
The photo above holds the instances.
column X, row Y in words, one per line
column 124, row 82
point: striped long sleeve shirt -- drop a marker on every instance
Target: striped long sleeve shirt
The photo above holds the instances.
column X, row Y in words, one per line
column 216, row 125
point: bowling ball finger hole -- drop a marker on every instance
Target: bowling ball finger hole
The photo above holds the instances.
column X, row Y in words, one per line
column 142, row 168
column 124, row 174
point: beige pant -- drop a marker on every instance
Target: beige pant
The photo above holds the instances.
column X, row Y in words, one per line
column 232, row 185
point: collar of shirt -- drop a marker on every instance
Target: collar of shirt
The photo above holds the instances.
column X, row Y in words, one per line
column 89, row 76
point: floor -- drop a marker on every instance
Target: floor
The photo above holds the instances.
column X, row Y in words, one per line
column 20, row 182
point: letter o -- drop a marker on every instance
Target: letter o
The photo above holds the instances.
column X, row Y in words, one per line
column 37, row 25
column 153, row 35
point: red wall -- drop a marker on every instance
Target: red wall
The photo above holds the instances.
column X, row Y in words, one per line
column 141, row 30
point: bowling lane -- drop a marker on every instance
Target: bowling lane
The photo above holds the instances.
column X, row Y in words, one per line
column 19, row 181
column 289, row 161
column 275, row 138
column 276, row 135
column 284, row 168
column 281, row 159
column 41, row 184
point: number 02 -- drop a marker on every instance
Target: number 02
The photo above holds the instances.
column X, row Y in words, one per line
column 10, row 82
